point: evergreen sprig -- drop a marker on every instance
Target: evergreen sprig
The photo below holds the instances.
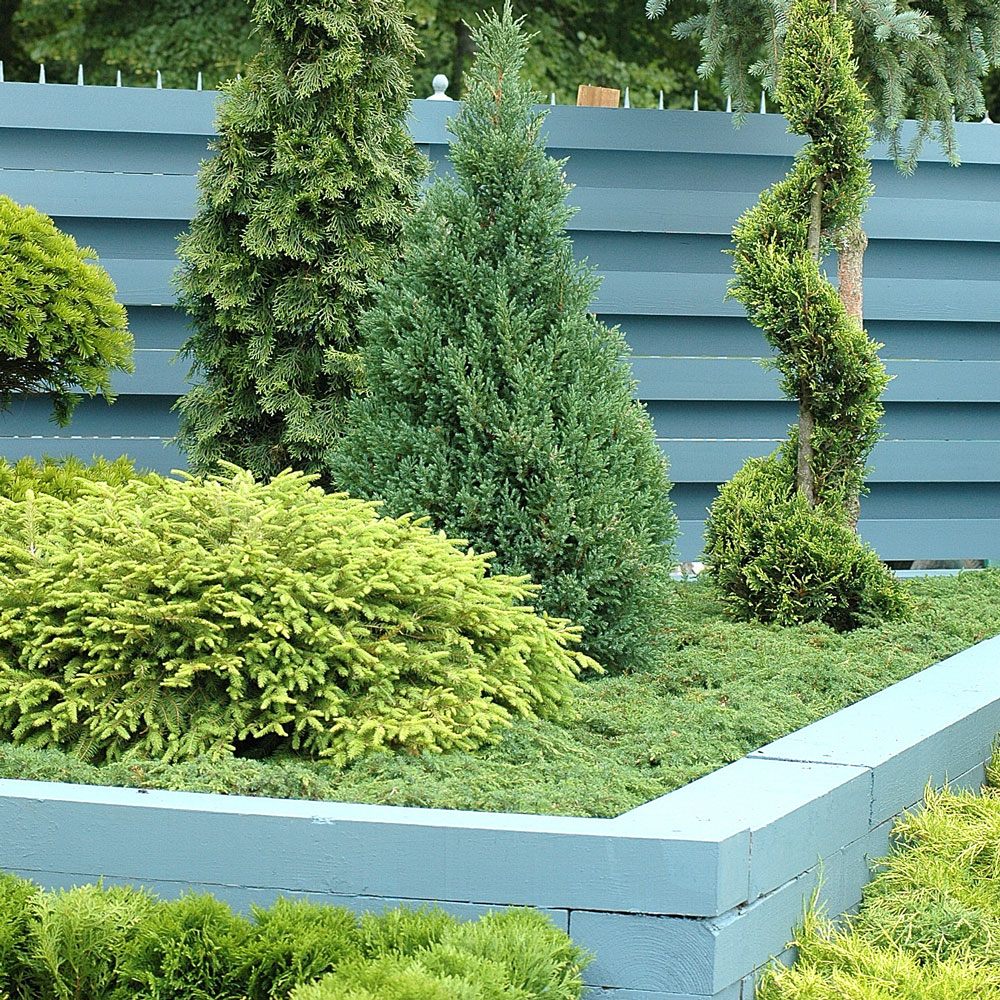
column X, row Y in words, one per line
column 61, row 332
column 301, row 210
column 498, row 405
column 926, row 64
column 168, row 619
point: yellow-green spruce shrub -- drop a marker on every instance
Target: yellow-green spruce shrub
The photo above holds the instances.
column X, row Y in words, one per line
column 166, row 619
column 61, row 477
column 61, row 332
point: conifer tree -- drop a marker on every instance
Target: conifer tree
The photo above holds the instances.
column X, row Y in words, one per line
column 61, row 330
column 498, row 405
column 301, row 210
column 780, row 538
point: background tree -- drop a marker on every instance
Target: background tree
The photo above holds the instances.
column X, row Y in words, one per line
column 301, row 212
column 181, row 38
column 497, row 403
column 922, row 64
column 62, row 332
column 577, row 41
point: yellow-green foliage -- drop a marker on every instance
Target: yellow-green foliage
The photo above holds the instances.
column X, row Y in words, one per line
column 166, row 619
column 61, row 477
column 62, row 332
column 929, row 926
column 120, row 943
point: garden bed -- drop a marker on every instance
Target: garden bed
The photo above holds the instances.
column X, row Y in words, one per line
column 725, row 689
column 680, row 899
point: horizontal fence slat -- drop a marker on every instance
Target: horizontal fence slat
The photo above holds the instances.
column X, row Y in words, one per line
column 715, row 461
column 926, row 538
column 656, row 210
column 119, row 152
column 156, row 454
column 747, row 379
column 691, row 294
column 105, row 195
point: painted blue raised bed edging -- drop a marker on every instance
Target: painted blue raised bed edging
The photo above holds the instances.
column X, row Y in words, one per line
column 680, row 899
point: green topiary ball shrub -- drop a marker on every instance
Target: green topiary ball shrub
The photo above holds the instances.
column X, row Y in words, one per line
column 62, row 331
column 65, row 478
column 776, row 559
column 498, row 405
column 166, row 619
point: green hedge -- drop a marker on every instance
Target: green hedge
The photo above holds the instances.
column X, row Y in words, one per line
column 121, row 943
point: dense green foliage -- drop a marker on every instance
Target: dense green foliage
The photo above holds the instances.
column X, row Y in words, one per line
column 92, row 943
column 62, row 331
column 497, row 404
column 168, row 619
column 929, row 922
column 779, row 541
column 578, row 41
column 722, row 689
column 300, row 212
column 922, row 63
column 65, row 478
column 776, row 559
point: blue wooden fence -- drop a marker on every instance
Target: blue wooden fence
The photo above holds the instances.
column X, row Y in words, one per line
column 658, row 193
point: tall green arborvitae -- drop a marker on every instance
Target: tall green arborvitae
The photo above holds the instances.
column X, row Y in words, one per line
column 779, row 539
column 497, row 404
column 301, row 211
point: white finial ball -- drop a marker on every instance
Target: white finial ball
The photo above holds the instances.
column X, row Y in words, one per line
column 440, row 85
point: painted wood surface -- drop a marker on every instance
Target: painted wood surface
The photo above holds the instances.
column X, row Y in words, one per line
column 658, row 193
column 680, row 899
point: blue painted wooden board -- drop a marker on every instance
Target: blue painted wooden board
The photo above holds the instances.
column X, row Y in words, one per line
column 659, row 192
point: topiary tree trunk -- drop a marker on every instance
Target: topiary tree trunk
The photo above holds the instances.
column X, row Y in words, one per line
column 498, row 405
column 301, row 212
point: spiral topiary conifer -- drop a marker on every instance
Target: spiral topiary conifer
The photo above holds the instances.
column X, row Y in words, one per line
column 498, row 405
column 824, row 356
column 61, row 330
column 301, row 211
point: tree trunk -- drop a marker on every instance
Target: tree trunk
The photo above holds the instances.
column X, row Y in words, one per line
column 464, row 51
column 851, row 244
column 804, row 479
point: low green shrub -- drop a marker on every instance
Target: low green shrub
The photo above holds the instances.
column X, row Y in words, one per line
column 776, row 559
column 297, row 942
column 189, row 948
column 65, row 478
column 168, row 619
column 92, row 943
column 514, row 954
column 78, row 939
column 17, row 896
